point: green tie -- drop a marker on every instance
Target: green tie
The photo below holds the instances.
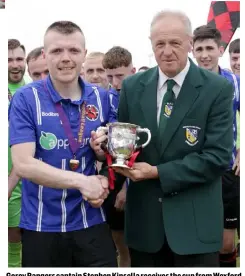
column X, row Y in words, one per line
column 167, row 106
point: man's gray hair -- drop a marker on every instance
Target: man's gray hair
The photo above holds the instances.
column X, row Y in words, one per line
column 177, row 14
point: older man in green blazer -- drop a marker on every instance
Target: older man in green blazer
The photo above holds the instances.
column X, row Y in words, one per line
column 174, row 211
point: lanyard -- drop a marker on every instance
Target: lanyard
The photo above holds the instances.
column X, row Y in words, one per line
column 73, row 142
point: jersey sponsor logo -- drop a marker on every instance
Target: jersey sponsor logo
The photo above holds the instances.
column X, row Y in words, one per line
column 191, row 135
column 51, row 114
column 49, row 141
column 92, row 112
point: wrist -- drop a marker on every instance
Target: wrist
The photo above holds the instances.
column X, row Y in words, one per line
column 124, row 187
column 154, row 172
column 78, row 181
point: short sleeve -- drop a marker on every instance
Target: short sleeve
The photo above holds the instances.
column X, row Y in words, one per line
column 21, row 123
column 113, row 106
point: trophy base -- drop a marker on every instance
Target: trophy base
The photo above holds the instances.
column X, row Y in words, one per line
column 120, row 166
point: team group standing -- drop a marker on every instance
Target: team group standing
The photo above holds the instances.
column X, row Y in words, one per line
column 179, row 206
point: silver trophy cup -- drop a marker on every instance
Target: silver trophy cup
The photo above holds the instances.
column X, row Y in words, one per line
column 122, row 141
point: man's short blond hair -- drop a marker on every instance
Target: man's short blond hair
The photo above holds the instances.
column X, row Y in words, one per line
column 176, row 14
column 95, row 55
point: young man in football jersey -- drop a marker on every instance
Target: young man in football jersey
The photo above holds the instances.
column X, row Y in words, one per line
column 234, row 52
column 16, row 79
column 118, row 65
column 207, row 49
column 51, row 121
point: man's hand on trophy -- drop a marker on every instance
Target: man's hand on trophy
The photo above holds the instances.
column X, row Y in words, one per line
column 97, row 138
column 95, row 188
column 139, row 171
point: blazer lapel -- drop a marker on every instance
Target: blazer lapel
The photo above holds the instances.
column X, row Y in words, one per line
column 187, row 96
column 148, row 102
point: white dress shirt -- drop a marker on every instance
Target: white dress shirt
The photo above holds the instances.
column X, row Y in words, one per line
column 162, row 86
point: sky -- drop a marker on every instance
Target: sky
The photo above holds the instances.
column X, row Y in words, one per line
column 105, row 23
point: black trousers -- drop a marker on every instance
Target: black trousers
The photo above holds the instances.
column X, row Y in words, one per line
column 167, row 258
column 114, row 218
column 91, row 247
column 231, row 200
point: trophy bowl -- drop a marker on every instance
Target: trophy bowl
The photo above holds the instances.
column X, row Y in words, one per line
column 122, row 141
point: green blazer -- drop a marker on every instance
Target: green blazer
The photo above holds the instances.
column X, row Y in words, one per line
column 185, row 204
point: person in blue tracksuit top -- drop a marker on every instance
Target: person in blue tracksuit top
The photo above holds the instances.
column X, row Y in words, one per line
column 95, row 73
column 118, row 65
column 207, row 50
column 50, row 123
column 234, row 53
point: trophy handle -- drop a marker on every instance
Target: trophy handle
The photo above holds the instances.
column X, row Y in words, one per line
column 146, row 130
